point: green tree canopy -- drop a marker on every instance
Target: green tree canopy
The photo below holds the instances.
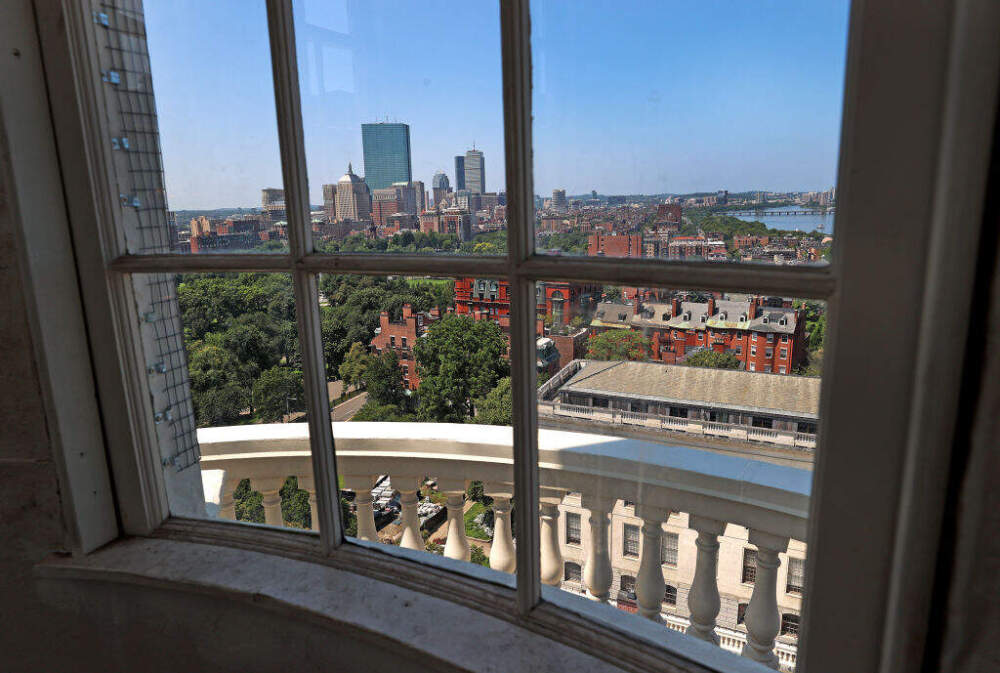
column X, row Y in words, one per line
column 617, row 344
column 495, row 408
column 356, row 362
column 278, row 391
column 459, row 359
column 713, row 359
column 384, row 380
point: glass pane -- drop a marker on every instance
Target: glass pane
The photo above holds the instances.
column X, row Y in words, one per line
column 403, row 126
column 225, row 376
column 662, row 413
column 419, row 381
column 719, row 142
column 193, row 133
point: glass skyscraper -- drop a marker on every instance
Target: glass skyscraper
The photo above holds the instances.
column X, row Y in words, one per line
column 459, row 173
column 475, row 172
column 387, row 154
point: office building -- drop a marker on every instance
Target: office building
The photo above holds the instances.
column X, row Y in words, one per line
column 559, row 198
column 354, row 201
column 387, row 154
column 330, row 201
column 420, row 195
column 440, row 188
column 475, row 172
column 459, row 173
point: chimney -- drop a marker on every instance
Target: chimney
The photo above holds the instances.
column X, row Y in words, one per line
column 711, row 306
column 407, row 311
column 752, row 311
column 675, row 307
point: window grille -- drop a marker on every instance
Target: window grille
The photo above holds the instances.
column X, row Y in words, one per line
column 572, row 528
column 572, row 572
column 668, row 549
column 789, row 625
column 670, row 595
column 749, row 566
column 796, row 576
column 630, row 540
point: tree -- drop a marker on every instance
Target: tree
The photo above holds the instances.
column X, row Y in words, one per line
column 295, row 505
column 277, row 392
column 248, row 504
column 577, row 322
column 459, row 359
column 356, row 362
column 384, row 380
column 388, row 413
column 495, row 408
column 618, row 344
column 714, row 360
column 478, row 556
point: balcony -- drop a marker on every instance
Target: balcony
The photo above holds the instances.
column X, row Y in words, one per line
column 705, row 490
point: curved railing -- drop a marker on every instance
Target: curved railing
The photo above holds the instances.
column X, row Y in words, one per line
column 771, row 501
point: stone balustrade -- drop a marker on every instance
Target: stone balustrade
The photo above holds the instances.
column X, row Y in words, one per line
column 770, row 501
column 732, row 431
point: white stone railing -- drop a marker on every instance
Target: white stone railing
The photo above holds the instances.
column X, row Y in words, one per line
column 771, row 501
column 743, row 433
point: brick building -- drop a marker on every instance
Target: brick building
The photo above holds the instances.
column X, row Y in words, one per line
column 455, row 221
column 764, row 338
column 563, row 301
column 671, row 212
column 614, row 245
column 400, row 336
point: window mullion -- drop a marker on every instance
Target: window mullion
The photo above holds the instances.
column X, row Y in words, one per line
column 293, row 166
column 515, row 30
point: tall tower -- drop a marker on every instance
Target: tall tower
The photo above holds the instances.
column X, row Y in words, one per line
column 440, row 187
column 354, row 200
column 387, row 154
column 475, row 172
column 459, row 173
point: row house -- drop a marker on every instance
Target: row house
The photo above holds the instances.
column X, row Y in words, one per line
column 400, row 336
column 764, row 338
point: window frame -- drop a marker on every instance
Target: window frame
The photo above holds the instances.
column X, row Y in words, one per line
column 943, row 68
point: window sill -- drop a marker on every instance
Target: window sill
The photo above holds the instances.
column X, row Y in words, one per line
column 565, row 633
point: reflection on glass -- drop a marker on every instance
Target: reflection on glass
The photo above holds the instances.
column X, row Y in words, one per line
column 694, row 131
column 221, row 168
column 226, row 382
column 702, row 398
column 416, row 368
column 403, row 128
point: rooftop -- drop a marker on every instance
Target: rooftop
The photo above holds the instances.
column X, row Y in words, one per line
column 720, row 388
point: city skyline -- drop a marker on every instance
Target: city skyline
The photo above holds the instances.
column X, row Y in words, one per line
column 746, row 100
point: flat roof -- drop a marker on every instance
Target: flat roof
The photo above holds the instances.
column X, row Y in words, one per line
column 779, row 394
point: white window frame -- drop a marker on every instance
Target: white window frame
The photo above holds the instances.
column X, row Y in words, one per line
column 928, row 102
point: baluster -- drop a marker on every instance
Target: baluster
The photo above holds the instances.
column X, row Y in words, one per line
column 306, row 484
column 502, row 554
column 703, row 599
column 457, row 544
column 597, row 571
column 762, row 619
column 408, row 487
column 649, row 584
column 551, row 561
column 271, row 499
column 362, row 487
column 227, row 505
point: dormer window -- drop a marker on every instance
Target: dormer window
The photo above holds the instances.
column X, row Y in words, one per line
column 743, row 317
column 687, row 315
column 722, row 315
column 764, row 320
column 704, row 317
column 783, row 321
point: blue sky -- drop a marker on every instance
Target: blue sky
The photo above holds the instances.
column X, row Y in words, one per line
column 629, row 97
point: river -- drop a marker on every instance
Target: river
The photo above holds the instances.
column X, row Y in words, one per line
column 793, row 222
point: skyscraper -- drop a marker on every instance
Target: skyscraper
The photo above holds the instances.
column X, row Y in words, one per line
column 354, row 201
column 558, row 198
column 475, row 172
column 421, row 196
column 459, row 173
column 387, row 154
column 440, row 187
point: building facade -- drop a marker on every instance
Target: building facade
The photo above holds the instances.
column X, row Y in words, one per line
column 459, row 172
column 614, row 245
column 386, row 149
column 400, row 336
column 475, row 172
column 354, row 201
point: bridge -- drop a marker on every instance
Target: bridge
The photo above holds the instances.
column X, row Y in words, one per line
column 785, row 213
column 713, row 507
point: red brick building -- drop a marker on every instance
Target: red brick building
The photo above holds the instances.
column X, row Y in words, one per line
column 669, row 211
column 615, row 245
column 763, row 337
column 455, row 221
column 400, row 336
